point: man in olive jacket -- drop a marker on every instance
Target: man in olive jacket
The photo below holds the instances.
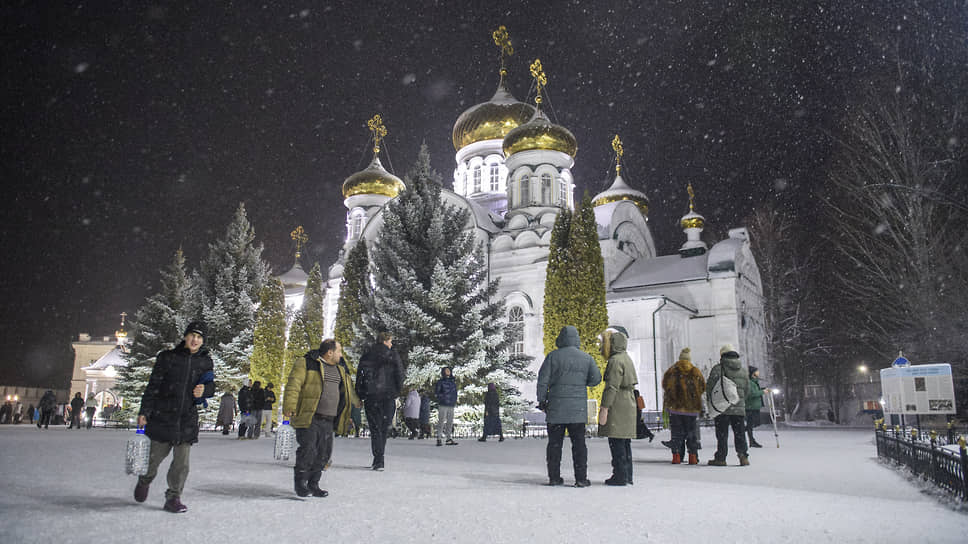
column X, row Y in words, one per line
column 180, row 379
column 318, row 394
column 563, row 382
column 618, row 415
column 732, row 368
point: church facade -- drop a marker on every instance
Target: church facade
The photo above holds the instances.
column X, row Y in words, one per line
column 513, row 174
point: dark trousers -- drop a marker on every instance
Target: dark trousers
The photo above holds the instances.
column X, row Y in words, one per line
column 253, row 429
column 379, row 416
column 413, row 425
column 579, row 453
column 723, row 424
column 315, row 445
column 177, row 471
column 684, row 434
column 621, row 449
column 75, row 419
column 45, row 417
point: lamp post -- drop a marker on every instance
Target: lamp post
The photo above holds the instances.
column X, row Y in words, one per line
column 864, row 370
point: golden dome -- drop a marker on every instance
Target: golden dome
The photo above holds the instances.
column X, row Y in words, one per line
column 692, row 220
column 540, row 133
column 373, row 180
column 491, row 120
column 621, row 191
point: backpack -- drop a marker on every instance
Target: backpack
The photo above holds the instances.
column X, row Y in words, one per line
column 723, row 394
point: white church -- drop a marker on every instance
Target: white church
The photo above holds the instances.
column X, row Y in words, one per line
column 513, row 173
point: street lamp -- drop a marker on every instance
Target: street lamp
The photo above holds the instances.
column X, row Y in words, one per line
column 864, row 370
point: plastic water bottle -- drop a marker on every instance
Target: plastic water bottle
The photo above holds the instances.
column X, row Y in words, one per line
column 285, row 440
column 137, row 453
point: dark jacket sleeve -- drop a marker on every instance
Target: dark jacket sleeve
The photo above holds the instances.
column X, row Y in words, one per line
column 397, row 372
column 155, row 381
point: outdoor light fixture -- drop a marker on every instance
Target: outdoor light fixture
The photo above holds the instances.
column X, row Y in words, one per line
column 776, row 391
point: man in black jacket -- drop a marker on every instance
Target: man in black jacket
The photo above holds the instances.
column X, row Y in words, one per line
column 378, row 382
column 180, row 379
column 267, row 409
column 255, row 418
column 245, row 405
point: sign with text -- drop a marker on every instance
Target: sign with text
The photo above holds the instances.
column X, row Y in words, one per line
column 918, row 389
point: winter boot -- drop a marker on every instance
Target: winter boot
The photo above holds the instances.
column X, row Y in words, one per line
column 744, row 460
column 552, row 481
column 300, row 483
column 615, row 481
column 175, row 506
column 439, row 443
column 140, row 491
column 313, row 485
column 753, row 442
column 716, row 462
column 451, row 442
column 666, row 443
column 482, row 439
column 676, row 459
column 582, row 483
column 693, row 459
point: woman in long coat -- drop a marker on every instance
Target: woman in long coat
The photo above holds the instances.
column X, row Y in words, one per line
column 617, row 416
column 226, row 412
column 492, row 414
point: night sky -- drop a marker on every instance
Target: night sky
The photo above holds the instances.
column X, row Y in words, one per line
column 132, row 129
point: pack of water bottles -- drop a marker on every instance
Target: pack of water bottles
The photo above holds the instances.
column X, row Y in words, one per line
column 285, row 441
column 137, row 453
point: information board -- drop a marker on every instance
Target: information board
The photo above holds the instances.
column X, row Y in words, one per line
column 918, row 389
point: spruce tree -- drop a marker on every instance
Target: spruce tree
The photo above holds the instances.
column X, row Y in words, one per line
column 306, row 331
column 228, row 283
column 157, row 326
column 433, row 294
column 353, row 294
column 575, row 283
column 269, row 348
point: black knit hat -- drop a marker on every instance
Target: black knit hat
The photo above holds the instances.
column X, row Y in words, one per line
column 753, row 370
column 197, row 327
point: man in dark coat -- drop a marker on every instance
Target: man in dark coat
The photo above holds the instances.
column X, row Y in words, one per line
column 245, row 405
column 255, row 415
column 492, row 414
column 267, row 409
column 563, row 382
column 378, row 382
column 446, row 391
column 48, row 403
column 77, row 404
column 181, row 379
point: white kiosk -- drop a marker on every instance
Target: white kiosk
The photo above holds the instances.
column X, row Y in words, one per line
column 917, row 389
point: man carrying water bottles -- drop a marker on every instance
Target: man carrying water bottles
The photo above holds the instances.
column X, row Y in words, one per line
column 319, row 396
column 180, row 379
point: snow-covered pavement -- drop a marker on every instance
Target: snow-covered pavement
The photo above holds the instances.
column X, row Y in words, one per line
column 821, row 486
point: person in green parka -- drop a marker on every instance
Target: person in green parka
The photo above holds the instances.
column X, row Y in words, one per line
column 754, row 402
column 730, row 367
column 617, row 416
column 319, row 398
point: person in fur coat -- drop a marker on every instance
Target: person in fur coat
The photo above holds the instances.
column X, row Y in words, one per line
column 683, row 387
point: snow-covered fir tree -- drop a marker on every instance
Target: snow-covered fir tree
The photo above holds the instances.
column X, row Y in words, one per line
column 227, row 286
column 432, row 292
column 353, row 294
column 157, row 326
column 269, row 344
column 575, row 284
column 306, row 331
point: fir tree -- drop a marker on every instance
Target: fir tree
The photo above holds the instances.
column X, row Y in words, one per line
column 306, row 331
column 353, row 295
column 575, row 284
column 433, row 294
column 229, row 280
column 157, row 326
column 269, row 349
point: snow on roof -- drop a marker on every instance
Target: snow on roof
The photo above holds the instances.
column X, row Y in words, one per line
column 722, row 256
column 296, row 276
column 483, row 218
column 114, row 358
column 661, row 270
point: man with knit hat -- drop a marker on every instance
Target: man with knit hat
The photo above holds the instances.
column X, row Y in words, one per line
column 682, row 390
column 180, row 380
column 730, row 368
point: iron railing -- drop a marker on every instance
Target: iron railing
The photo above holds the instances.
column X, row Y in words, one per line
column 926, row 456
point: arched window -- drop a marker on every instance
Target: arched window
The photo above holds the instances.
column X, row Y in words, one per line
column 546, row 188
column 356, row 224
column 477, row 179
column 562, row 193
column 516, row 329
column 525, row 184
column 495, row 177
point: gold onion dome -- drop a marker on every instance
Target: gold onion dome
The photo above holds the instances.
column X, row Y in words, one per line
column 491, row 120
column 540, row 133
column 621, row 191
column 373, row 180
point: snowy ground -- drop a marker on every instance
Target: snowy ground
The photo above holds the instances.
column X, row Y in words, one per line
column 822, row 485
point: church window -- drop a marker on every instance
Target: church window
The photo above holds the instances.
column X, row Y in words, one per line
column 546, row 188
column 495, row 177
column 525, row 190
column 356, row 224
column 477, row 179
column 516, row 326
column 562, row 193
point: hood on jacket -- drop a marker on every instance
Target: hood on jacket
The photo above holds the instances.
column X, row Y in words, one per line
column 731, row 361
column 443, row 375
column 568, row 337
column 619, row 342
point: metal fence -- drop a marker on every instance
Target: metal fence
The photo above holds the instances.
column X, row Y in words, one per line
column 926, row 456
